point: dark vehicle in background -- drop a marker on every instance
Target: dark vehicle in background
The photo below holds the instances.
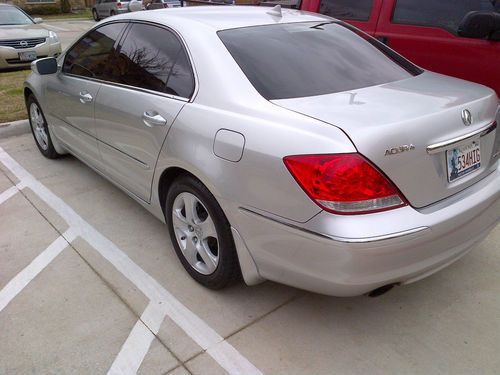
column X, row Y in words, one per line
column 460, row 38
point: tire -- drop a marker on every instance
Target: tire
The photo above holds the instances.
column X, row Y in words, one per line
column 39, row 128
column 112, row 13
column 95, row 15
column 208, row 253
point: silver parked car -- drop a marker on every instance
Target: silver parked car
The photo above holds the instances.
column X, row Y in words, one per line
column 108, row 8
column 277, row 145
column 160, row 4
column 23, row 40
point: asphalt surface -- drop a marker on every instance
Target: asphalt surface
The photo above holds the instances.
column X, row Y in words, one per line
column 90, row 284
column 81, row 266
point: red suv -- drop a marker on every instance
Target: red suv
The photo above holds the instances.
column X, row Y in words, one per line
column 429, row 32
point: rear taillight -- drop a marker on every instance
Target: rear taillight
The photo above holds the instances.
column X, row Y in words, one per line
column 344, row 183
column 118, row 5
column 165, row 5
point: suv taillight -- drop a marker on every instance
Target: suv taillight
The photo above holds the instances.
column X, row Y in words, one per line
column 344, row 183
column 118, row 5
column 165, row 5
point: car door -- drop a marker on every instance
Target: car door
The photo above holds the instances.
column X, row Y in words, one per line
column 425, row 32
column 153, row 81
column 72, row 91
column 362, row 14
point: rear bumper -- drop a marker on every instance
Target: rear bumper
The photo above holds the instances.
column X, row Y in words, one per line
column 352, row 255
column 9, row 57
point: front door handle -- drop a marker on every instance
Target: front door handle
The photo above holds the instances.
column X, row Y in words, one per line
column 153, row 118
column 85, row 97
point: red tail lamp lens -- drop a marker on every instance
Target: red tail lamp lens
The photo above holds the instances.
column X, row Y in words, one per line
column 344, row 183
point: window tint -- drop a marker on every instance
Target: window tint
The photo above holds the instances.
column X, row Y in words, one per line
column 347, row 9
column 153, row 58
column 445, row 14
column 90, row 57
column 306, row 59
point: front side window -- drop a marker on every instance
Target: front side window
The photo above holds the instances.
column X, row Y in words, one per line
column 153, row 58
column 306, row 59
column 347, row 9
column 13, row 16
column 445, row 14
column 91, row 56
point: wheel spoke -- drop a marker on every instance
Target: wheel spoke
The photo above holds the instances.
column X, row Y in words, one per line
column 207, row 256
column 179, row 222
column 190, row 252
column 190, row 207
column 208, row 228
column 43, row 136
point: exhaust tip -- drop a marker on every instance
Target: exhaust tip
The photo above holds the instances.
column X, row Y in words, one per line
column 381, row 290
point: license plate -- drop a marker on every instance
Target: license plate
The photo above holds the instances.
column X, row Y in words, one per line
column 27, row 56
column 463, row 160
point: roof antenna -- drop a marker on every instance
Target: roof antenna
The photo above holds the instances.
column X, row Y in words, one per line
column 275, row 11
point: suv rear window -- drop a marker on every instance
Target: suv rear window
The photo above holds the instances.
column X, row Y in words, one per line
column 358, row 10
column 445, row 14
column 312, row 58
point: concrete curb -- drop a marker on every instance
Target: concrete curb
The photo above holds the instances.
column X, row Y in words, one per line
column 48, row 20
column 14, row 128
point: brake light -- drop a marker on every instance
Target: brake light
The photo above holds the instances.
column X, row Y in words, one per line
column 344, row 183
column 118, row 5
column 165, row 5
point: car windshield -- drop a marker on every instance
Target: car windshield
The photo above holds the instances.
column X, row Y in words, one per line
column 13, row 16
column 311, row 58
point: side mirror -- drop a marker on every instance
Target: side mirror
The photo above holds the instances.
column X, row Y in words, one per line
column 37, row 20
column 480, row 25
column 45, row 66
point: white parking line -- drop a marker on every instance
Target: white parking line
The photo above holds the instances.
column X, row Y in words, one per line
column 17, row 284
column 138, row 342
column 8, row 193
column 215, row 345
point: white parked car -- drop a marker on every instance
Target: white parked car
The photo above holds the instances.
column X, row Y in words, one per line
column 23, row 40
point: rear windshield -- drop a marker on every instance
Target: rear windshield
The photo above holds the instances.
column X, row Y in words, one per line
column 311, row 58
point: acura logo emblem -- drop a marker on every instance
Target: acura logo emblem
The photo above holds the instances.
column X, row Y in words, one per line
column 23, row 43
column 466, row 117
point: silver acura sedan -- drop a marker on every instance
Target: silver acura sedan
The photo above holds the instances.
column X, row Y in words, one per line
column 277, row 144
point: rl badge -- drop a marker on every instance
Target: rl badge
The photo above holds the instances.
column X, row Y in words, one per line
column 399, row 150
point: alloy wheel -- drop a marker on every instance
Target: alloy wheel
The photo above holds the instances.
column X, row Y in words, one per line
column 195, row 233
column 38, row 126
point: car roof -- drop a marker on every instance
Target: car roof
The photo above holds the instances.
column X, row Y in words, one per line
column 223, row 17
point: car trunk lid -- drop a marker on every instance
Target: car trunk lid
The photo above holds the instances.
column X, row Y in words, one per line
column 406, row 128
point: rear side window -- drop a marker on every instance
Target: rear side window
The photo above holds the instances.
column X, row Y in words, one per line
column 90, row 57
column 306, row 59
column 445, row 14
column 347, row 9
column 153, row 58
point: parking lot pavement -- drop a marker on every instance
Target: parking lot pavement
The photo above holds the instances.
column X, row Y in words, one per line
column 68, row 30
column 89, row 283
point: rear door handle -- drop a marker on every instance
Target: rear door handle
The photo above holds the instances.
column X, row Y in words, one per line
column 85, row 97
column 153, row 118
